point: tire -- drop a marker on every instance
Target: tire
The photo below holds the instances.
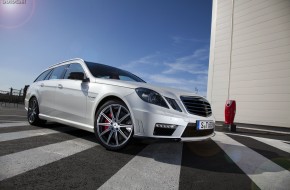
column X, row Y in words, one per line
column 33, row 112
column 113, row 125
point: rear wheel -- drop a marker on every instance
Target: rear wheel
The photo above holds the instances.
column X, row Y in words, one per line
column 113, row 125
column 33, row 112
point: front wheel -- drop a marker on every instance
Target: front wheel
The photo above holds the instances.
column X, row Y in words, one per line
column 33, row 112
column 114, row 125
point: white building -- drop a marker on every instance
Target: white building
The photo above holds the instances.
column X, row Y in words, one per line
column 250, row 60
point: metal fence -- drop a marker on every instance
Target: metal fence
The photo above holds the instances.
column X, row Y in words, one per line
column 13, row 96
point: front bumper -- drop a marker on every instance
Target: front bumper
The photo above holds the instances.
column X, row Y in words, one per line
column 189, row 139
column 146, row 116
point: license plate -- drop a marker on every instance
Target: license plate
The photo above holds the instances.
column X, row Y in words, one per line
column 203, row 125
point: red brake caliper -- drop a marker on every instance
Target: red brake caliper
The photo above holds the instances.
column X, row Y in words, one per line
column 106, row 121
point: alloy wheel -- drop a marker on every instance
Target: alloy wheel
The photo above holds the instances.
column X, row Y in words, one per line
column 32, row 111
column 114, row 125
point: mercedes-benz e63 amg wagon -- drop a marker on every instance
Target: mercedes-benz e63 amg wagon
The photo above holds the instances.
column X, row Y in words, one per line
column 116, row 105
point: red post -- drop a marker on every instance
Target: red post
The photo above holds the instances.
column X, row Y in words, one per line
column 230, row 112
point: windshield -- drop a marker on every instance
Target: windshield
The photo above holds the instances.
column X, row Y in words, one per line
column 108, row 72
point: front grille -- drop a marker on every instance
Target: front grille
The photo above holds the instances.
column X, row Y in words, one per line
column 196, row 105
column 191, row 131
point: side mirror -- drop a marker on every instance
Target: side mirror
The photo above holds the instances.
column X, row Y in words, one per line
column 86, row 80
column 76, row 76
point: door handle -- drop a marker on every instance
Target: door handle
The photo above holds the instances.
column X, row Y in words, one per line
column 42, row 85
column 60, row 86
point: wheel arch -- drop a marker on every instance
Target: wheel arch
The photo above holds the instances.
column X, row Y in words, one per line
column 33, row 96
column 37, row 99
column 105, row 99
column 29, row 95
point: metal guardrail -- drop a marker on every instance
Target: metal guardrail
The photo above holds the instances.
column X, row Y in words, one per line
column 13, row 96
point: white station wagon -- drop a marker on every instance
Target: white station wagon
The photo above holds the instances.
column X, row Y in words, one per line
column 115, row 105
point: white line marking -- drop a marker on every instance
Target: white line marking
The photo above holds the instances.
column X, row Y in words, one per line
column 265, row 130
column 12, row 116
column 275, row 143
column 11, row 121
column 265, row 173
column 13, row 124
column 272, row 142
column 157, row 166
column 256, row 129
column 29, row 133
column 20, row 162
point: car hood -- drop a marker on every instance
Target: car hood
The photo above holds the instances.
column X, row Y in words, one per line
column 164, row 91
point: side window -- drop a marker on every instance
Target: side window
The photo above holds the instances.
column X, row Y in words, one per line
column 57, row 72
column 47, row 76
column 42, row 76
column 126, row 78
column 72, row 70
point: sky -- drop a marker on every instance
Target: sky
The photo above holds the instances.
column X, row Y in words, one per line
column 165, row 42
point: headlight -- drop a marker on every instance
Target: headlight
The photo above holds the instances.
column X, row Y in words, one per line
column 151, row 97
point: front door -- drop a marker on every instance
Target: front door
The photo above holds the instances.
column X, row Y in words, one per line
column 71, row 96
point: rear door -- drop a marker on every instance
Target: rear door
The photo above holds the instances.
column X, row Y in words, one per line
column 71, row 95
column 47, row 91
column 39, row 88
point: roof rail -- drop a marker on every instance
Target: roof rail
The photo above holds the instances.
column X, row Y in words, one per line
column 74, row 59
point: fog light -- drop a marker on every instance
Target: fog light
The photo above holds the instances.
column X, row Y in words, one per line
column 165, row 126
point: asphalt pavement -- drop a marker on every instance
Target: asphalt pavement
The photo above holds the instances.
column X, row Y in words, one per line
column 56, row 156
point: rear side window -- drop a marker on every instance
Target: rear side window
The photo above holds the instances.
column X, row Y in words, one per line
column 73, row 68
column 58, row 72
column 47, row 76
column 42, row 76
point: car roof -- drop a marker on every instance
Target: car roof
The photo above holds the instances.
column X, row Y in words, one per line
column 67, row 61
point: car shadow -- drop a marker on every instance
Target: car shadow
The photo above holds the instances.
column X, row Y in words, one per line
column 134, row 148
column 202, row 155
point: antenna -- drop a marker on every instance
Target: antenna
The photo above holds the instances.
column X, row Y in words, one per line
column 196, row 90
